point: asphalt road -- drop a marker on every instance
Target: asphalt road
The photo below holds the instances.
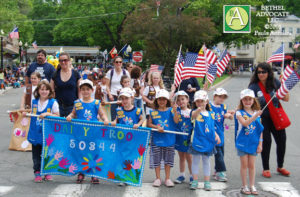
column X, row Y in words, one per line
column 16, row 176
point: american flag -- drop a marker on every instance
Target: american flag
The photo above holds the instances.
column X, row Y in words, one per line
column 34, row 44
column 14, row 33
column 190, row 68
column 222, row 62
column 178, row 68
column 211, row 73
column 296, row 45
column 288, row 84
column 278, row 55
column 286, row 74
column 156, row 68
column 143, row 75
column 210, row 57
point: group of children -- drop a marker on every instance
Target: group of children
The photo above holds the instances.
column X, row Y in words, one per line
column 203, row 124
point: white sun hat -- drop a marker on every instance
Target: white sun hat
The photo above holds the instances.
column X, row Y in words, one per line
column 201, row 95
column 220, row 91
column 128, row 92
column 86, row 82
column 247, row 92
column 162, row 93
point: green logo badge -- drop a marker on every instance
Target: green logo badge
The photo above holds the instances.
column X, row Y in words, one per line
column 236, row 19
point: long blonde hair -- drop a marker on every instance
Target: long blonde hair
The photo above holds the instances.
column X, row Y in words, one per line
column 161, row 83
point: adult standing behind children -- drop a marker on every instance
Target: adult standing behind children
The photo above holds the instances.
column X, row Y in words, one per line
column 41, row 66
column 65, row 83
column 114, row 75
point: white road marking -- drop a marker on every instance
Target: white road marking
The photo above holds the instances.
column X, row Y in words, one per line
column 284, row 189
column 147, row 190
column 5, row 189
column 70, row 190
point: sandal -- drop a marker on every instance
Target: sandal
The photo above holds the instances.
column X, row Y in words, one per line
column 253, row 190
column 95, row 180
column 80, row 178
column 245, row 190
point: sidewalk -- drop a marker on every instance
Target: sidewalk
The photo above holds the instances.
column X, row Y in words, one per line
column 2, row 91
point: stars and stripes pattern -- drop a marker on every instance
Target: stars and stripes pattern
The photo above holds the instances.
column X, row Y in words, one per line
column 210, row 57
column 156, row 68
column 278, row 55
column 287, row 72
column 288, row 83
column 14, row 33
column 200, row 63
column 211, row 73
column 222, row 62
column 190, row 68
column 178, row 70
column 296, row 45
column 34, row 44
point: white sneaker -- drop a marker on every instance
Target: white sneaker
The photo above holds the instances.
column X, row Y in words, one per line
column 169, row 183
column 156, row 183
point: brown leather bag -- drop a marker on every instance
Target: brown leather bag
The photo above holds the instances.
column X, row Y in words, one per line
column 28, row 96
column 98, row 93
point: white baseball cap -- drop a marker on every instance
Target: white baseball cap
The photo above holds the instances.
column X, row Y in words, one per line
column 86, row 82
column 181, row 93
column 247, row 92
column 128, row 92
column 162, row 93
column 200, row 94
column 220, row 91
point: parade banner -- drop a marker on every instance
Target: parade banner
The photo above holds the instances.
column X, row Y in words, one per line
column 112, row 153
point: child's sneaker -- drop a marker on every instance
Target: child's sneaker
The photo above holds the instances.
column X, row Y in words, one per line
column 169, row 183
column 194, row 185
column 207, row 186
column 95, row 180
column 180, row 179
column 122, row 184
column 191, row 179
column 220, row 176
column 48, row 177
column 80, row 178
column 157, row 183
column 38, row 177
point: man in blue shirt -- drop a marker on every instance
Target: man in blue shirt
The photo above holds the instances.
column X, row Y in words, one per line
column 41, row 65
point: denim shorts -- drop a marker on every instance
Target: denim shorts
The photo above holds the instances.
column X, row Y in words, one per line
column 242, row 153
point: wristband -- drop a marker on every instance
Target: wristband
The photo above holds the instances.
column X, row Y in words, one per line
column 261, row 140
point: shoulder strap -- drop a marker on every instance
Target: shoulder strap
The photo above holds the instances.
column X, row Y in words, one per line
column 28, row 96
column 111, row 76
column 124, row 72
column 266, row 95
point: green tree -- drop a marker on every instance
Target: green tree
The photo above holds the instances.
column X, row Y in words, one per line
column 13, row 13
column 162, row 35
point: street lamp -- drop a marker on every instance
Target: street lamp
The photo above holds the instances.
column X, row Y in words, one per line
column 20, row 50
column 26, row 47
column 1, row 35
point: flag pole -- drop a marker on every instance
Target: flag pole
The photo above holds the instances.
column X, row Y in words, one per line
column 282, row 64
column 269, row 102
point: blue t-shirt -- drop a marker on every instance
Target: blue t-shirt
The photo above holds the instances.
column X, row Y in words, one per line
column 247, row 138
column 184, row 125
column 219, row 112
column 87, row 111
column 165, row 120
column 203, row 136
column 262, row 101
column 66, row 92
column 129, row 117
column 46, row 70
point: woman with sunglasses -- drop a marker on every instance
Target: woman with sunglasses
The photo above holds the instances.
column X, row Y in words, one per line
column 65, row 84
column 114, row 75
column 263, row 74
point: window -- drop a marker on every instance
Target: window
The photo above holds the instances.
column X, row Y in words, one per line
column 290, row 45
column 290, row 30
column 283, row 30
column 298, row 30
column 263, row 44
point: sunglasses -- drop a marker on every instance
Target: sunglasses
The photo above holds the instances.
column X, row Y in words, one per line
column 64, row 60
column 118, row 62
column 261, row 72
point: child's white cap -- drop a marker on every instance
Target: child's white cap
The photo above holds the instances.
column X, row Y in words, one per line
column 162, row 93
column 128, row 92
column 86, row 82
column 220, row 91
column 201, row 95
column 180, row 93
column 247, row 92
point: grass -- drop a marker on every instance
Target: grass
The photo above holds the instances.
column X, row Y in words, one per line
column 217, row 80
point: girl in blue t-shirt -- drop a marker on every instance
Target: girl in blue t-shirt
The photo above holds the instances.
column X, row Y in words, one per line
column 87, row 108
column 220, row 112
column 162, row 144
column 128, row 114
column 248, row 137
column 203, row 139
column 43, row 105
column 182, row 141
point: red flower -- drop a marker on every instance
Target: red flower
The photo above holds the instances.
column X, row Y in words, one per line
column 63, row 162
column 111, row 175
column 141, row 149
column 127, row 163
column 50, row 139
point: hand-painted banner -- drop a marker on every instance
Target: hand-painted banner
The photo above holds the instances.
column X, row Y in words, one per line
column 115, row 154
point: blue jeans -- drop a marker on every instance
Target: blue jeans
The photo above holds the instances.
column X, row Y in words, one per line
column 219, row 159
column 138, row 103
column 113, row 109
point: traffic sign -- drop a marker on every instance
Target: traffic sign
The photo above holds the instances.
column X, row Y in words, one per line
column 137, row 56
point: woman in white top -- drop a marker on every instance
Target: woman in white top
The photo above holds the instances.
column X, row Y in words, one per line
column 114, row 77
column 28, row 96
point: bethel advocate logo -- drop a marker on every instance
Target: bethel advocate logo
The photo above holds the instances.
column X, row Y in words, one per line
column 236, row 19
